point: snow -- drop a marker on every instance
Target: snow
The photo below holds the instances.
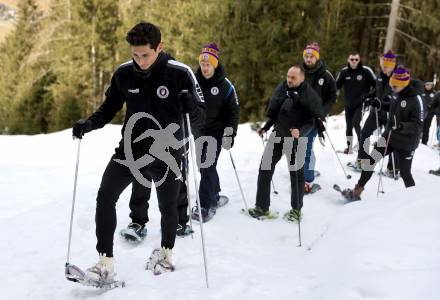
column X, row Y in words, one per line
column 382, row 247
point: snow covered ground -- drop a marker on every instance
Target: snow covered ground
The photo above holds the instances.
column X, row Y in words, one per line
column 384, row 247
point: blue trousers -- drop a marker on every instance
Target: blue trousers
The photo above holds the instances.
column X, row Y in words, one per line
column 309, row 162
column 209, row 181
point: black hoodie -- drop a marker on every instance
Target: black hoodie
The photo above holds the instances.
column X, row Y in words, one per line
column 222, row 106
column 322, row 81
column 357, row 83
column 154, row 91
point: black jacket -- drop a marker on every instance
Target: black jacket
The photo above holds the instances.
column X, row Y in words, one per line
column 299, row 111
column 155, row 92
column 428, row 96
column 406, row 116
column 322, row 81
column 357, row 83
column 222, row 106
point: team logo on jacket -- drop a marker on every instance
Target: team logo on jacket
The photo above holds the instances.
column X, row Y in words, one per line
column 403, row 103
column 214, row 90
column 162, row 92
column 359, row 77
column 431, row 95
column 321, row 81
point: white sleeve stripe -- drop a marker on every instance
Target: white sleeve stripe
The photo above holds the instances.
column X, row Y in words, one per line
column 181, row 66
column 371, row 71
column 330, row 74
column 126, row 63
column 421, row 108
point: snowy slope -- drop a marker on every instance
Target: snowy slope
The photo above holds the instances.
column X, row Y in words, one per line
column 378, row 248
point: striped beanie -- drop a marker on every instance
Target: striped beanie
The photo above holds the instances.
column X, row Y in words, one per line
column 400, row 77
column 312, row 48
column 389, row 59
column 210, row 53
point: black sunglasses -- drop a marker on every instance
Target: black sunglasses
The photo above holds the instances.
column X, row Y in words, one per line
column 354, row 59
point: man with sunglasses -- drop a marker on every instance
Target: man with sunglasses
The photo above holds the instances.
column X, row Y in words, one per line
column 357, row 81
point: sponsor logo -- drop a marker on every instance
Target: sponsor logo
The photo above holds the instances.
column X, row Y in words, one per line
column 403, row 104
column 214, row 90
column 162, row 92
column 134, row 91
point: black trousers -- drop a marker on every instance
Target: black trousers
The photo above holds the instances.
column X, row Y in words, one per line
column 353, row 119
column 427, row 126
column 265, row 176
column 370, row 126
column 115, row 179
column 403, row 158
column 140, row 195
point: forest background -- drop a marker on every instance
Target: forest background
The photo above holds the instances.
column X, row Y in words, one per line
column 57, row 56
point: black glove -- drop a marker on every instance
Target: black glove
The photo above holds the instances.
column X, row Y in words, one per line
column 375, row 102
column 81, row 127
column 188, row 101
column 321, row 128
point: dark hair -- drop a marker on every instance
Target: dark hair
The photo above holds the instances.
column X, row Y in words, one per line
column 353, row 53
column 300, row 67
column 144, row 33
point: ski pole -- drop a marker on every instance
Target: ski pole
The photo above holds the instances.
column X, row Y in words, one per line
column 238, row 180
column 394, row 166
column 185, row 164
column 295, row 145
column 348, row 176
column 192, row 149
column 271, row 181
column 380, row 183
column 73, row 201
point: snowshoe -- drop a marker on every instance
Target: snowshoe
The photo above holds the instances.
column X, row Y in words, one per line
column 435, row 172
column 310, row 188
column 134, row 233
column 184, row 230
column 390, row 174
column 207, row 214
column 260, row 214
column 222, row 200
column 160, row 261
column 348, row 194
column 316, row 173
column 75, row 274
column 356, row 166
column 293, row 216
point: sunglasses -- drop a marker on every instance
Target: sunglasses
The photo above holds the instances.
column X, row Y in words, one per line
column 354, row 59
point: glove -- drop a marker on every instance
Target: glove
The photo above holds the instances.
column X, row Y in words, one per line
column 227, row 142
column 261, row 131
column 81, row 127
column 188, row 101
column 293, row 95
column 375, row 102
column 321, row 128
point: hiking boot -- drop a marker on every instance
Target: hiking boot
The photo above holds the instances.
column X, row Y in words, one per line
column 160, row 261
column 207, row 214
column 293, row 215
column 357, row 191
column 134, row 232
column 102, row 272
column 183, row 230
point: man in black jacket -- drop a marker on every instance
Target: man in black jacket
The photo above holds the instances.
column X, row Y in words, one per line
column 293, row 109
column 358, row 80
column 322, row 81
column 151, row 85
column 402, row 131
column 220, row 128
column 428, row 95
column 379, row 100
